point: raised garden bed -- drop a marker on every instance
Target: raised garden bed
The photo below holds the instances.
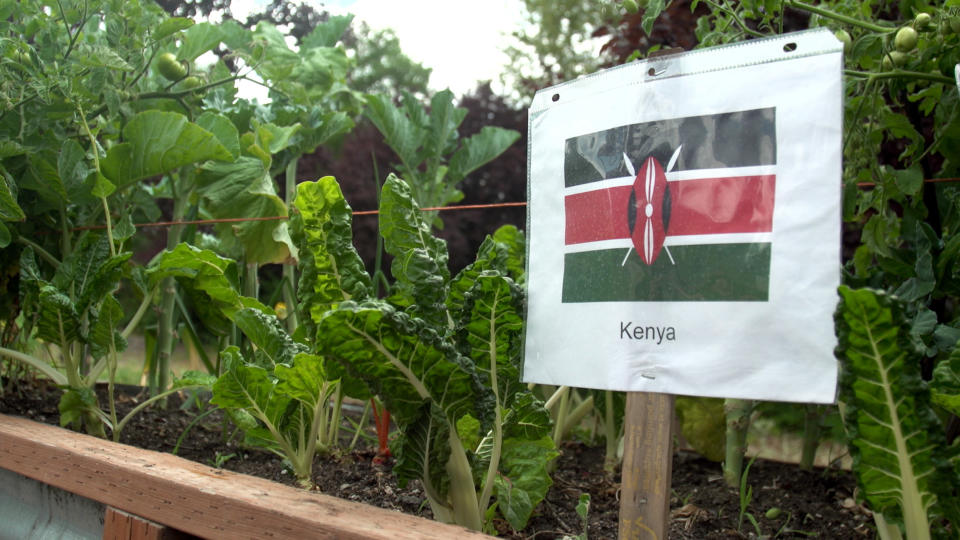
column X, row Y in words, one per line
column 197, row 498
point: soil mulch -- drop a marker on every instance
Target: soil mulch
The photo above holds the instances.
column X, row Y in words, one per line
column 810, row 504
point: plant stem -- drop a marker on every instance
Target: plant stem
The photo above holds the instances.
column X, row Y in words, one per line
column 611, row 434
column 359, row 427
column 560, row 417
column 811, row 436
column 738, row 422
column 290, row 270
column 168, row 297
column 44, row 254
column 96, row 166
column 462, row 491
column 898, row 74
column 838, row 17
column 39, row 365
column 494, row 465
column 138, row 316
column 147, row 403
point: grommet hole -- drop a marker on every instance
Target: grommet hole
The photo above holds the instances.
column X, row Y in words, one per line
column 790, row 47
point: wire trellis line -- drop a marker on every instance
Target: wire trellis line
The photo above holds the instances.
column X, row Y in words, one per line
column 376, row 212
column 280, row 218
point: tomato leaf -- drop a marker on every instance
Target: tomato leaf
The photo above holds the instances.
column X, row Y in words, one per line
column 479, row 150
column 198, row 39
column 170, row 26
column 244, row 189
column 158, row 142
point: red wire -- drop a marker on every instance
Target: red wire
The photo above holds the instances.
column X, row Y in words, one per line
column 430, row 209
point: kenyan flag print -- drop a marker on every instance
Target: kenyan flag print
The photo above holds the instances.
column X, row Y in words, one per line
column 671, row 210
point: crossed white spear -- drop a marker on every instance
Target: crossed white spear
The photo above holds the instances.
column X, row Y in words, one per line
column 649, row 189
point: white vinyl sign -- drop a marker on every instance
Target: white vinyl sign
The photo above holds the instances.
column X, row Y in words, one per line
column 684, row 220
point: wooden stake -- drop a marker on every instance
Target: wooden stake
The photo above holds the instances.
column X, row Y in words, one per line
column 647, row 466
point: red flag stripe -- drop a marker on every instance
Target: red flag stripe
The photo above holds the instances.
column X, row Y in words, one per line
column 737, row 204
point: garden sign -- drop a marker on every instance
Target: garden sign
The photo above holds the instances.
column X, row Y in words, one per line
column 684, row 224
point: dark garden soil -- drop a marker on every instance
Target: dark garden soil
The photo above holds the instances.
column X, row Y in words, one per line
column 815, row 503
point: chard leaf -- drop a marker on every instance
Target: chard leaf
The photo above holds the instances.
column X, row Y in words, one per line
column 524, row 479
column 157, row 142
column 897, row 442
column 212, row 280
column 401, row 360
column 251, row 388
column 527, row 418
column 946, row 383
column 490, row 333
column 420, row 260
column 304, row 380
column 268, row 334
column 516, row 245
column 331, row 269
column 244, row 189
column 423, row 449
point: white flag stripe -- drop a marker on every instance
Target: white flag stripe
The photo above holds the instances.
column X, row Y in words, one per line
column 686, row 240
column 725, row 172
column 730, row 238
column 693, row 174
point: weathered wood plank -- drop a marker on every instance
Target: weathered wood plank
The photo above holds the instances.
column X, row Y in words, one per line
column 195, row 498
column 647, row 466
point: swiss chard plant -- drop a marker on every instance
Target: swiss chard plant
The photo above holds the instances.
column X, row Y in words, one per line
column 274, row 389
column 906, row 470
column 442, row 352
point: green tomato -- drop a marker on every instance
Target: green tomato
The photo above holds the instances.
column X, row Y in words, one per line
column 893, row 59
column 170, row 67
column 844, row 38
column 923, row 22
column 906, row 39
column 191, row 82
column 955, row 24
column 22, row 58
column 631, row 6
column 773, row 513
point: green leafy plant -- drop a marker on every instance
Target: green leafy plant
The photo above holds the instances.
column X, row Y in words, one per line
column 902, row 461
column 583, row 510
column 276, row 391
column 441, row 352
column 433, row 159
column 746, row 497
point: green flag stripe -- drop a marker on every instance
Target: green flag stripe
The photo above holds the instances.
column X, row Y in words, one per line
column 719, row 272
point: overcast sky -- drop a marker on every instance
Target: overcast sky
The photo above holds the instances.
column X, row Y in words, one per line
column 461, row 40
